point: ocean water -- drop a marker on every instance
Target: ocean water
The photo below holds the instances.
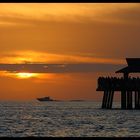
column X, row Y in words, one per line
column 66, row 119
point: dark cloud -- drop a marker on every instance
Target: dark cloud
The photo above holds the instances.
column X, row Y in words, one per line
column 59, row 68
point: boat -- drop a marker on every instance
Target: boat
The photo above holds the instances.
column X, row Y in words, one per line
column 45, row 99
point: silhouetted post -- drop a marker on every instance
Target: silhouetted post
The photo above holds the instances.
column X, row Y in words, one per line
column 129, row 100
column 136, row 100
column 107, row 99
column 123, row 99
column 104, row 100
column 111, row 99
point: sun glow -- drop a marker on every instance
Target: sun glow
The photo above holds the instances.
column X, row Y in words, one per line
column 25, row 75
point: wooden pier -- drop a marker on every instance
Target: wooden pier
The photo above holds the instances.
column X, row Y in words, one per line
column 126, row 85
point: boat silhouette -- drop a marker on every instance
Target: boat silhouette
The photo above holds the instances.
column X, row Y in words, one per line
column 45, row 99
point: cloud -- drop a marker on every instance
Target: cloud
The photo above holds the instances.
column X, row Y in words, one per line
column 19, row 57
column 81, row 12
column 58, row 68
column 6, row 23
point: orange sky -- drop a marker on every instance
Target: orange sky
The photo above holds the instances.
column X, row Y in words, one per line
column 55, row 33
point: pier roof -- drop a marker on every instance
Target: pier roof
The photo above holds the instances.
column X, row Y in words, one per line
column 133, row 66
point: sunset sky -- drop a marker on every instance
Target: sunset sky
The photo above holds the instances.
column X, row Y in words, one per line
column 63, row 34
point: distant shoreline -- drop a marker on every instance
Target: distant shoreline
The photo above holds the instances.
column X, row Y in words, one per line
column 68, row 101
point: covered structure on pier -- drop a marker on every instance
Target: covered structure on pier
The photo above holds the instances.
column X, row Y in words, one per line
column 133, row 67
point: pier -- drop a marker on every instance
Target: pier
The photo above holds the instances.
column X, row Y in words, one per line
column 128, row 86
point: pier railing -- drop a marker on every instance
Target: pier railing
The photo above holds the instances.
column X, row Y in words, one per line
column 118, row 84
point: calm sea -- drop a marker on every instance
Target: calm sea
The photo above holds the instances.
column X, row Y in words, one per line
column 71, row 119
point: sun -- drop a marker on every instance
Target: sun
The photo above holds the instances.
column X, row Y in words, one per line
column 25, row 75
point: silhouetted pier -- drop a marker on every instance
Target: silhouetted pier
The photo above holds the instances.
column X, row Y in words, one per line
column 126, row 85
